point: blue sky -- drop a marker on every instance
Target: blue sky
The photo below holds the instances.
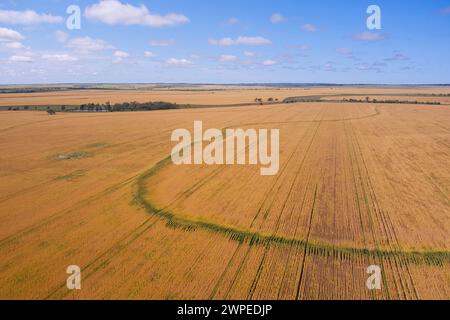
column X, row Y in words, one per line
column 217, row 41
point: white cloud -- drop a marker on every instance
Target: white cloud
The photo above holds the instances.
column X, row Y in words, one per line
column 344, row 51
column 21, row 59
column 227, row 58
column 59, row 57
column 27, row 17
column 61, row 36
column 10, row 35
column 233, row 21
column 149, row 54
column 13, row 45
column 310, row 27
column 161, row 43
column 121, row 54
column 179, row 62
column 368, row 36
column 250, row 41
column 269, row 63
column 249, row 54
column 277, row 18
column 114, row 12
column 87, row 44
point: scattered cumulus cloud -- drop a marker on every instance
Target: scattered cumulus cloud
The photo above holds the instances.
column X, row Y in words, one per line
column 277, row 18
column 227, row 58
column 249, row 54
column 308, row 27
column 121, row 54
column 10, row 35
column 13, row 45
column 233, row 21
column 161, row 43
column 19, row 58
column 86, row 44
column 344, row 51
column 375, row 66
column 114, row 12
column 368, row 36
column 28, row 17
column 269, row 62
column 178, row 62
column 149, row 54
column 59, row 57
column 249, row 41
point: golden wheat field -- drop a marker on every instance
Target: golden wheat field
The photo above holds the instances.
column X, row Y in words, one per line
column 209, row 95
column 359, row 184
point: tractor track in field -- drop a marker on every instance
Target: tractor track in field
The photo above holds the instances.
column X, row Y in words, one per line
column 55, row 216
column 388, row 228
column 432, row 257
column 266, row 249
column 100, row 261
column 244, row 259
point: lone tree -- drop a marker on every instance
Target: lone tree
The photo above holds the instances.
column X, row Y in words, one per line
column 51, row 112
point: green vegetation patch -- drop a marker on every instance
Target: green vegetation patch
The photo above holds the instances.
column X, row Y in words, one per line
column 174, row 221
column 77, row 155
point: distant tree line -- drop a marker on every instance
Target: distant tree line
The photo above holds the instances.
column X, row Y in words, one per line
column 300, row 99
column 128, row 106
column 367, row 100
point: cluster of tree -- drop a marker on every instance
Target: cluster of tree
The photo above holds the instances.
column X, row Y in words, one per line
column 367, row 100
column 19, row 108
column 31, row 90
column 260, row 100
column 299, row 99
column 41, row 108
column 440, row 95
column 128, row 106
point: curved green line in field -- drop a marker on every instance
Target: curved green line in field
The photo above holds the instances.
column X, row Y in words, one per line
column 255, row 238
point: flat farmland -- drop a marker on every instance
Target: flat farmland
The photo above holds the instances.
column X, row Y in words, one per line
column 359, row 184
column 182, row 96
column 204, row 96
